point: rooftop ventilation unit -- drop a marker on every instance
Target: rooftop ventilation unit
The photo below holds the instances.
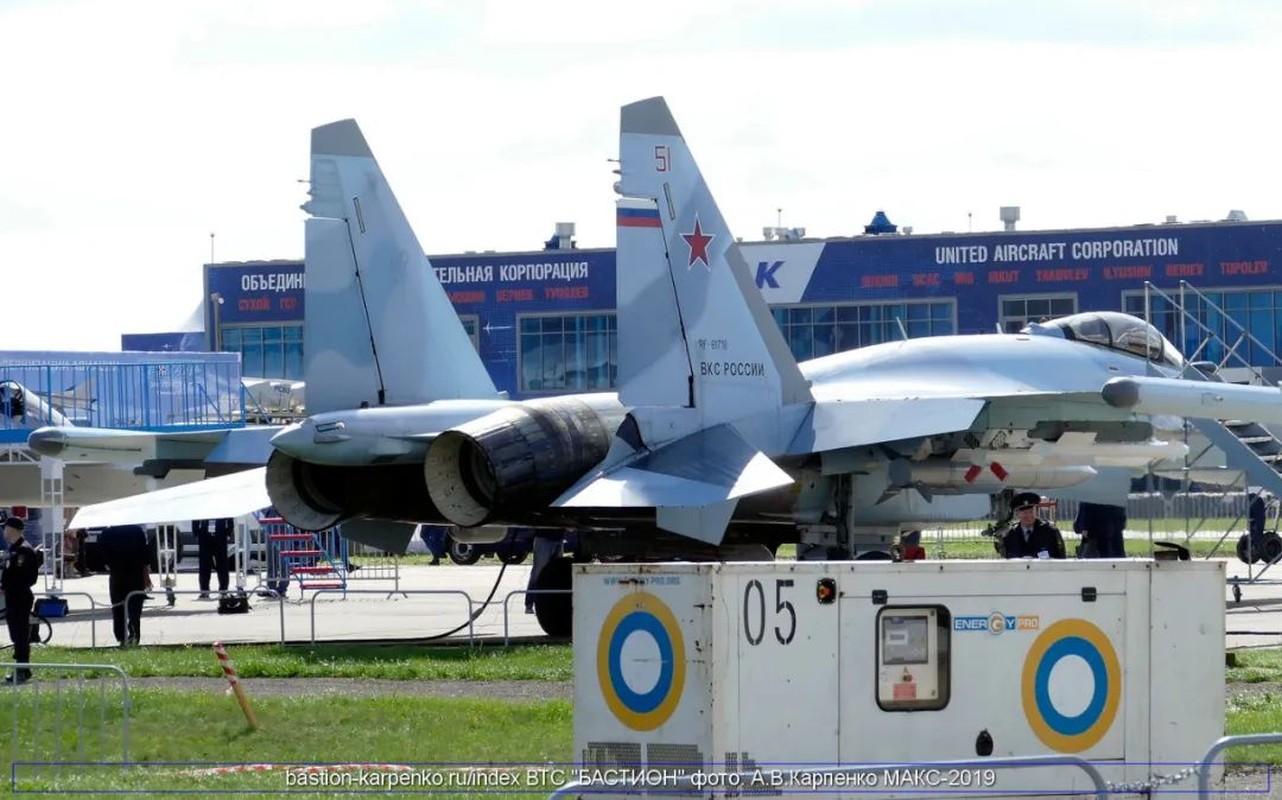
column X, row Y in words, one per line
column 563, row 239
column 1010, row 215
column 880, row 224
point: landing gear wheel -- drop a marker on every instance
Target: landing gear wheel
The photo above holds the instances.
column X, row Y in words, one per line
column 1244, row 553
column 170, row 598
column 514, row 555
column 1237, row 593
column 463, row 554
column 1272, row 547
column 555, row 612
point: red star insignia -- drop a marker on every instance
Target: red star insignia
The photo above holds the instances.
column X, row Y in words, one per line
column 698, row 241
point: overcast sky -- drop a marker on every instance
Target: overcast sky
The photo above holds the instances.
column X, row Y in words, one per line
column 135, row 128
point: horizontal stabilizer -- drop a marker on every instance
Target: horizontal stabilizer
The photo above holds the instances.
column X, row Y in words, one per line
column 711, row 466
column 854, row 423
column 213, row 498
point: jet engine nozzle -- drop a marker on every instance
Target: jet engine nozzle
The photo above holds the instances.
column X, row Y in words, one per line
column 517, row 458
column 314, row 497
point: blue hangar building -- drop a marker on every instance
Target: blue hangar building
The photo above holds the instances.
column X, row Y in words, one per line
column 544, row 321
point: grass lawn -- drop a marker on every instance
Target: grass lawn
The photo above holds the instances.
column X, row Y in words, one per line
column 208, row 728
column 1255, row 666
column 394, row 661
column 169, row 726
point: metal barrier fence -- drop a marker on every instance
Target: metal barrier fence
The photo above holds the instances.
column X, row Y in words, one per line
column 93, row 608
column 68, row 714
column 272, row 593
column 739, row 779
column 513, row 593
column 471, row 614
column 1208, row 759
column 383, row 566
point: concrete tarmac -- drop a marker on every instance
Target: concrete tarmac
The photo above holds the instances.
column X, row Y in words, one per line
column 435, row 603
column 420, row 602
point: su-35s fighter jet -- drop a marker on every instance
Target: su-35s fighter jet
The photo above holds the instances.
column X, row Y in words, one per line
column 718, row 444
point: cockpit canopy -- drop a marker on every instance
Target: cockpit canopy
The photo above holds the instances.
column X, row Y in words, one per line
column 1116, row 331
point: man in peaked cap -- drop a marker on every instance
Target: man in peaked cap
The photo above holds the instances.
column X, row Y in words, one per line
column 1031, row 536
column 22, row 570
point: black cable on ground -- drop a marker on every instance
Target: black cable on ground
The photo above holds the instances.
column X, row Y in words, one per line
column 475, row 614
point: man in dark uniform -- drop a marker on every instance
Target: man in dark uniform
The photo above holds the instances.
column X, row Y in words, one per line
column 1031, row 536
column 128, row 558
column 22, row 570
column 212, row 549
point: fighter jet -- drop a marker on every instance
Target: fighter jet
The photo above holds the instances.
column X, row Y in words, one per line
column 718, row 444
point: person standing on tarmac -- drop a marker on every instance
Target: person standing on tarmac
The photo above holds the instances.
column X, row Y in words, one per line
column 22, row 570
column 212, row 552
column 1031, row 536
column 127, row 554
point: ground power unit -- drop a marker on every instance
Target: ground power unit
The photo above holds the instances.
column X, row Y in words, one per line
column 775, row 671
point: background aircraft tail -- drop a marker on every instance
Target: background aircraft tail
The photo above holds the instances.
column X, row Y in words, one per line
column 378, row 326
column 730, row 359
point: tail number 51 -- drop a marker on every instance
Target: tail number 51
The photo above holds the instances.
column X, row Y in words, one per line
column 661, row 159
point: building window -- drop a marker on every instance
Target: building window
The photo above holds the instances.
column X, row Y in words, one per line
column 814, row 331
column 293, row 352
column 1219, row 324
column 274, row 351
column 570, row 353
column 1017, row 312
column 471, row 324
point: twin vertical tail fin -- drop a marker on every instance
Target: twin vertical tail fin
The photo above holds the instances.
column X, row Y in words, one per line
column 378, row 327
column 699, row 355
column 677, row 260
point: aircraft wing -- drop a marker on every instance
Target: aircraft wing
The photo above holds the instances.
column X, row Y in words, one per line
column 838, row 424
column 248, row 445
column 227, row 496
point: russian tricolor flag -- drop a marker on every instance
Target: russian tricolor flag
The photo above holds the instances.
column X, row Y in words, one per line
column 639, row 218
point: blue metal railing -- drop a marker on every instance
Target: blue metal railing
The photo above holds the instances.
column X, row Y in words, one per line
column 135, row 394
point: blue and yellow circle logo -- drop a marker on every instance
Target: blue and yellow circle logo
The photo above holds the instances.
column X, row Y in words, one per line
column 646, row 620
column 1064, row 732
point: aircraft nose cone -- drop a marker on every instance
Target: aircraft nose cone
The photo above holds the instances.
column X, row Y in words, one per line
column 1121, row 393
column 49, row 442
